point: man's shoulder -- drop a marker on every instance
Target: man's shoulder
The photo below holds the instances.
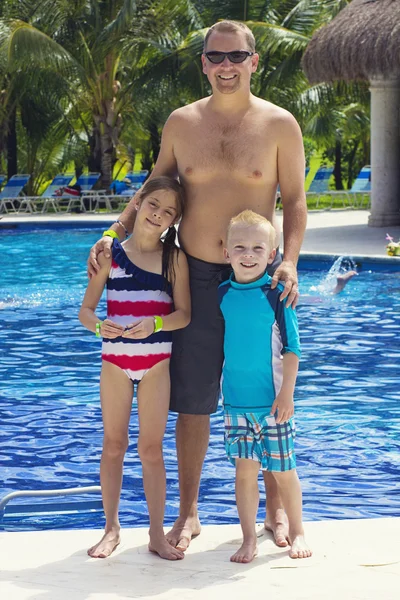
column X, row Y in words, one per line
column 188, row 111
column 274, row 113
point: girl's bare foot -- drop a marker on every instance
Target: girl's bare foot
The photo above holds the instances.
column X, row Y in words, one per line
column 106, row 545
column 279, row 525
column 246, row 552
column 159, row 545
column 183, row 531
column 300, row 548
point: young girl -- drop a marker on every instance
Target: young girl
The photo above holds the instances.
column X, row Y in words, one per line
column 147, row 298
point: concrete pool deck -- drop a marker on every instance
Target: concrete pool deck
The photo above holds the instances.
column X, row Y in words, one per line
column 353, row 560
column 338, row 232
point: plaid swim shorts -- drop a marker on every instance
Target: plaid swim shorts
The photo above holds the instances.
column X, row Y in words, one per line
column 258, row 437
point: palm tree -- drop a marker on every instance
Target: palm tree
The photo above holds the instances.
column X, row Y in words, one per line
column 102, row 50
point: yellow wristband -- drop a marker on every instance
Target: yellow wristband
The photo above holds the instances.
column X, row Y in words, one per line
column 158, row 324
column 110, row 233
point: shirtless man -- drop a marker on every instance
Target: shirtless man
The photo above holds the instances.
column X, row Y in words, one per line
column 229, row 150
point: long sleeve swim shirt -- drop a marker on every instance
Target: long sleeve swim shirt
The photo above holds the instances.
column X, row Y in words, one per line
column 258, row 330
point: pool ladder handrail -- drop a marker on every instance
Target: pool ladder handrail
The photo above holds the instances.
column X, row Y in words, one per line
column 51, row 507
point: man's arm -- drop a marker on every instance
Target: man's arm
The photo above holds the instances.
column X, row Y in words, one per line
column 165, row 165
column 291, row 169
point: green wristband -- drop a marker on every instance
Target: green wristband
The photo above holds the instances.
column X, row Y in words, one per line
column 110, row 233
column 98, row 329
column 158, row 324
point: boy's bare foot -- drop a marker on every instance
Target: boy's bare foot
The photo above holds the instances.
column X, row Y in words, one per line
column 246, row 553
column 159, row 545
column 300, row 548
column 106, row 545
column 183, row 531
column 342, row 280
column 279, row 525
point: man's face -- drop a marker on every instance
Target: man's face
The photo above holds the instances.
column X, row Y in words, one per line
column 228, row 77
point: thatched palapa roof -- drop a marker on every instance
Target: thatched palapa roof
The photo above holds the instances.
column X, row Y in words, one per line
column 361, row 42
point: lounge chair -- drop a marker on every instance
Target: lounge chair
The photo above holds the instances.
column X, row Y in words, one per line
column 48, row 198
column 320, row 187
column 137, row 179
column 321, row 180
column 12, row 189
column 84, row 183
column 363, row 181
column 361, row 189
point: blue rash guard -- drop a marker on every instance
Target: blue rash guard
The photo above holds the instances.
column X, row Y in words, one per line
column 258, row 330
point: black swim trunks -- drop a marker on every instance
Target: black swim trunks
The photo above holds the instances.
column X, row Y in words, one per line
column 197, row 350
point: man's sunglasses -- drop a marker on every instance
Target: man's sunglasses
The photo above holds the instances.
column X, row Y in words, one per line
column 237, row 56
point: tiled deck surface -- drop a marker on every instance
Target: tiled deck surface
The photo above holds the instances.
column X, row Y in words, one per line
column 353, row 560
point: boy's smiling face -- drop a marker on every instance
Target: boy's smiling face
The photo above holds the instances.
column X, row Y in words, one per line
column 249, row 250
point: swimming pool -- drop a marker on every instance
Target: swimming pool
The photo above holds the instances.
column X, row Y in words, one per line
column 347, row 401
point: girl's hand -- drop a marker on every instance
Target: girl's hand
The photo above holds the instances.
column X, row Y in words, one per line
column 111, row 330
column 140, row 330
column 284, row 406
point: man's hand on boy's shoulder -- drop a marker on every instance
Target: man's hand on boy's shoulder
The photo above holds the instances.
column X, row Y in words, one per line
column 283, row 407
column 287, row 274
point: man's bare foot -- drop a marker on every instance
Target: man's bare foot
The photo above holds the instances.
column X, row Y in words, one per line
column 246, row 553
column 183, row 531
column 106, row 545
column 342, row 280
column 159, row 545
column 300, row 548
column 279, row 527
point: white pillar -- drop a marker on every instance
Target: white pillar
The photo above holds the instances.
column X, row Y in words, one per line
column 385, row 152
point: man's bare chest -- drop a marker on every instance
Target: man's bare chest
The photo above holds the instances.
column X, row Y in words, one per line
column 244, row 150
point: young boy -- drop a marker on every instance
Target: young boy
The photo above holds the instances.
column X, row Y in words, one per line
column 257, row 383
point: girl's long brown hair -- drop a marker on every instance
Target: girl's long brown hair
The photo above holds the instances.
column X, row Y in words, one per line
column 169, row 240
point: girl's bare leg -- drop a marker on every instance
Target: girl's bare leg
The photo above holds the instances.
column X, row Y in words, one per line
column 153, row 405
column 116, row 393
column 290, row 492
column 247, row 500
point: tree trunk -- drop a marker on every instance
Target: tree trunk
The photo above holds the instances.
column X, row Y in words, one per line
column 350, row 174
column 94, row 160
column 155, row 139
column 337, row 171
column 12, row 164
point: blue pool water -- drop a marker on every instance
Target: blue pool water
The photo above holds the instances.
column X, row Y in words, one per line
column 347, row 400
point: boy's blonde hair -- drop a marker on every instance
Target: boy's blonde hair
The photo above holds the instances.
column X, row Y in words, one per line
column 227, row 26
column 249, row 218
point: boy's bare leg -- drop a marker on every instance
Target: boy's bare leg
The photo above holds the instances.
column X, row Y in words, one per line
column 247, row 501
column 116, row 392
column 275, row 517
column 153, row 406
column 192, row 437
column 290, row 492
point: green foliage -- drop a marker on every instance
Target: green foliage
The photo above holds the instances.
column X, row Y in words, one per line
column 94, row 81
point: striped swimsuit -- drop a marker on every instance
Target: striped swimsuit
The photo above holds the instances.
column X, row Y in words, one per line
column 133, row 294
